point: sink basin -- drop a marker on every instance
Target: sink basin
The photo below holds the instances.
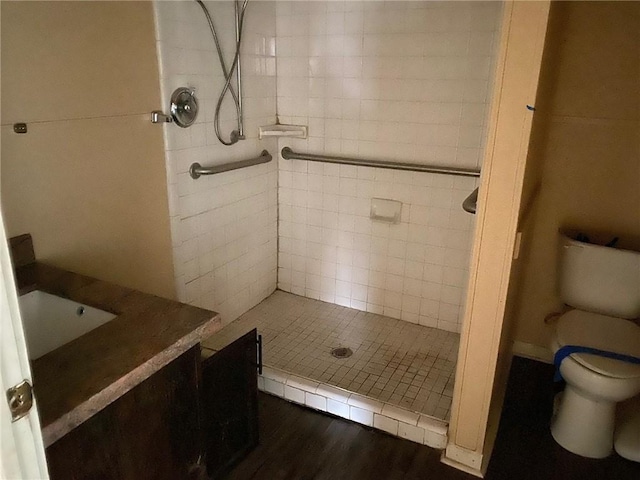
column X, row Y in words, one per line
column 50, row 321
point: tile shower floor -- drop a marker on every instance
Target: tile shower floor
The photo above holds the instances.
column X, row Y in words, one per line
column 393, row 361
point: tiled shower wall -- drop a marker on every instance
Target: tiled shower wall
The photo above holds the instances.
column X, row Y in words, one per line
column 224, row 227
column 404, row 81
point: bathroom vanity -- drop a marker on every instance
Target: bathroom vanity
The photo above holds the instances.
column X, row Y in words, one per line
column 134, row 398
column 149, row 432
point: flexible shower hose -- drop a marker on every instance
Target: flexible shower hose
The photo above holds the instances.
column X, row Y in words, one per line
column 235, row 134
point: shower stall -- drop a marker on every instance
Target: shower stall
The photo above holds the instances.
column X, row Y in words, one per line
column 355, row 238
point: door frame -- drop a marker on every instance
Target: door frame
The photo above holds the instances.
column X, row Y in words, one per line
column 477, row 397
column 22, row 454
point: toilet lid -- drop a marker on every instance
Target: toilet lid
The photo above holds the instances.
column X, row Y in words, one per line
column 604, row 333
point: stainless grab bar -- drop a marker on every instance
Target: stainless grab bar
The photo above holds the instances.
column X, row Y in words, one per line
column 289, row 154
column 196, row 170
column 469, row 204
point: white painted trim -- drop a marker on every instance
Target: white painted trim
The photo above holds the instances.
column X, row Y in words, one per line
column 22, row 452
column 462, row 459
column 532, row 352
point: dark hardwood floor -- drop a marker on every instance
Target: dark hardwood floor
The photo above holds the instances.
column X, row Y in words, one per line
column 297, row 443
column 525, row 448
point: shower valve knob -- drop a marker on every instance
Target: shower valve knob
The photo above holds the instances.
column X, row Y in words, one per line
column 184, row 106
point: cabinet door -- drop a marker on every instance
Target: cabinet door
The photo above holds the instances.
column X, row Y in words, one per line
column 229, row 404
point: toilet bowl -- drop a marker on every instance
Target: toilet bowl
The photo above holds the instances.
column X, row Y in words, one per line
column 585, row 418
column 603, row 285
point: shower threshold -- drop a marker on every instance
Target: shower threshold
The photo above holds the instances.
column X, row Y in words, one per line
column 399, row 378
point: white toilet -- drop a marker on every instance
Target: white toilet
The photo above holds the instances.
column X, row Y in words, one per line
column 603, row 286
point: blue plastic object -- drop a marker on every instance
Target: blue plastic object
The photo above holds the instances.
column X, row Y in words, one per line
column 567, row 350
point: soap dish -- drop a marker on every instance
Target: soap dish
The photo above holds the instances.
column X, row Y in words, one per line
column 279, row 130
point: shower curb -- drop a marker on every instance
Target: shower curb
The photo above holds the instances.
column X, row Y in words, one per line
column 394, row 420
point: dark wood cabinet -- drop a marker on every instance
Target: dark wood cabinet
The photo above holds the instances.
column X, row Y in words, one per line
column 150, row 432
column 230, row 404
column 193, row 419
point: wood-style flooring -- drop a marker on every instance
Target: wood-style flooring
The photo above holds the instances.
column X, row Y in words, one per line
column 297, row 443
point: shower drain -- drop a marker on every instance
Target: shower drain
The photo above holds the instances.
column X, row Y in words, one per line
column 342, row 352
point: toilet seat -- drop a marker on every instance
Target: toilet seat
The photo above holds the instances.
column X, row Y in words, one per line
column 611, row 334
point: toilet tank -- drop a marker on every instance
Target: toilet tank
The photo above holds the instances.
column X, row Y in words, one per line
column 600, row 279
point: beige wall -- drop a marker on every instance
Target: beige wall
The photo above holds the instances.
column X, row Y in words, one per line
column 585, row 149
column 88, row 179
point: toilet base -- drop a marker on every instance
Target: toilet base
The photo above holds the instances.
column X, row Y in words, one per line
column 584, row 426
column 627, row 434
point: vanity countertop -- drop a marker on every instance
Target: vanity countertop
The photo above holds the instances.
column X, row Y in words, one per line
column 82, row 377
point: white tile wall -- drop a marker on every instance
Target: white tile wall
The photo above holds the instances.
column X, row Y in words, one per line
column 224, row 227
column 399, row 80
column 404, row 81
column 329, row 248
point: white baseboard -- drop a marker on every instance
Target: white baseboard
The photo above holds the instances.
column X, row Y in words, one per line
column 462, row 459
column 533, row 352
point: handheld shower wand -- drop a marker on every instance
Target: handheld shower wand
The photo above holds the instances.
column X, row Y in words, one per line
column 237, row 134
